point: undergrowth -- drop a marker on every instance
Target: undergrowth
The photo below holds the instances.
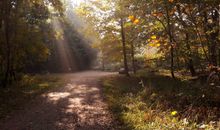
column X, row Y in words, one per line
column 16, row 96
column 149, row 101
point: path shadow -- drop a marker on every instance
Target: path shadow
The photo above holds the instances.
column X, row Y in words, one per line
column 76, row 106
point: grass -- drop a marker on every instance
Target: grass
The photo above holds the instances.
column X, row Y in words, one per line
column 19, row 94
column 149, row 101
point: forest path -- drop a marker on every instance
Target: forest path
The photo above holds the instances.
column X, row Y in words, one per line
column 78, row 105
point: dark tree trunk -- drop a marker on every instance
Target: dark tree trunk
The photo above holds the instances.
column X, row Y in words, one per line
column 172, row 62
column 190, row 61
column 170, row 40
column 1, row 13
column 218, row 57
column 132, row 57
column 214, row 37
column 8, row 46
column 124, row 47
column 190, row 64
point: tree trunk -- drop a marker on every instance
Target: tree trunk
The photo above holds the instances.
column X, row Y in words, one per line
column 1, row 13
column 132, row 57
column 103, row 63
column 190, row 61
column 8, row 46
column 214, row 37
column 218, row 57
column 124, row 47
column 170, row 40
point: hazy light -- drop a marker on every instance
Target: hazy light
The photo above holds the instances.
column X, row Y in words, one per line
column 55, row 96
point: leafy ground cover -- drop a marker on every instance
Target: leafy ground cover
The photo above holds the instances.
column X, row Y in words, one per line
column 150, row 100
column 19, row 94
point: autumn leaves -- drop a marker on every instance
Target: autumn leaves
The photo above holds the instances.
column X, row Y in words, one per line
column 153, row 41
column 134, row 20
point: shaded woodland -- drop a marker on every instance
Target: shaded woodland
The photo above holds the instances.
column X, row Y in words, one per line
column 177, row 35
column 167, row 54
column 37, row 37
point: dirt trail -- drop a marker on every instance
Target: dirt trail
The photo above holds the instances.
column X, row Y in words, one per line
column 76, row 106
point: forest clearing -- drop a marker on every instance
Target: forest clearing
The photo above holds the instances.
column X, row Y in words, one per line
column 110, row 65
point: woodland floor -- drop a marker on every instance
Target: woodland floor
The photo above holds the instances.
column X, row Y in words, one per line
column 77, row 105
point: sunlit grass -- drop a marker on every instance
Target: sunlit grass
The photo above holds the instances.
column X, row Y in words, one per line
column 18, row 95
column 159, row 102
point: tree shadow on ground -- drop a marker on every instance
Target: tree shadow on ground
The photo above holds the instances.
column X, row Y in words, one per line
column 191, row 98
column 160, row 93
column 78, row 106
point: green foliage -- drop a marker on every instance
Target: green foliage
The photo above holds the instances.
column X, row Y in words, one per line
column 28, row 39
column 24, row 35
column 187, row 32
column 152, row 101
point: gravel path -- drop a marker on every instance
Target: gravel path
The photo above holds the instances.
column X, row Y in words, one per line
column 76, row 106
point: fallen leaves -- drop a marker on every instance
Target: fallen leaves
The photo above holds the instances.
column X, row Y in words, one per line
column 174, row 113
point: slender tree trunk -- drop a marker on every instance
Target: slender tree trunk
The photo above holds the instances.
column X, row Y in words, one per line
column 172, row 62
column 219, row 57
column 1, row 42
column 214, row 37
column 7, row 42
column 170, row 40
column 1, row 13
column 14, row 48
column 177, row 59
column 124, row 47
column 103, row 62
column 219, row 35
column 190, row 61
column 132, row 57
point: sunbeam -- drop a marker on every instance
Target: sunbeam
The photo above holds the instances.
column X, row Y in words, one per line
column 72, row 49
column 66, row 58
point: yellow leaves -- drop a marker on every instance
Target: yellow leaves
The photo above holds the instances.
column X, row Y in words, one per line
column 174, row 113
column 154, row 45
column 136, row 21
column 133, row 19
column 153, row 42
column 154, row 37
column 158, row 45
